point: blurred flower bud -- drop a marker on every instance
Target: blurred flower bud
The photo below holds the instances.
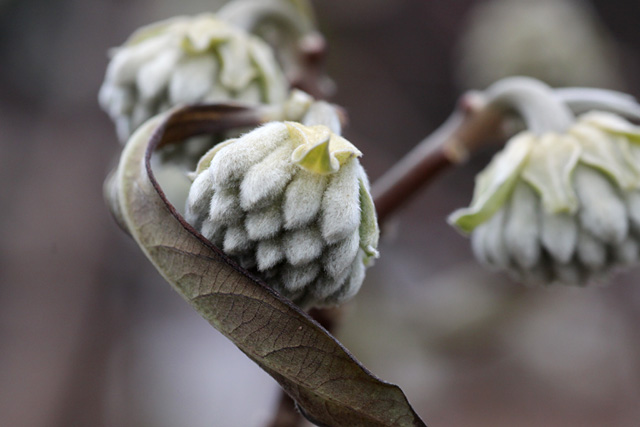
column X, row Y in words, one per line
column 187, row 60
column 558, row 41
column 290, row 203
column 560, row 207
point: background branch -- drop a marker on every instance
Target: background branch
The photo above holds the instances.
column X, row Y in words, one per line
column 472, row 125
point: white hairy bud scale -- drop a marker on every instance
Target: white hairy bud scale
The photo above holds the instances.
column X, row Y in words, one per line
column 187, row 60
column 291, row 203
column 560, row 207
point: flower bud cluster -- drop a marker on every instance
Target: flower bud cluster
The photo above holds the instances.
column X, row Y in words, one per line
column 291, row 203
column 557, row 207
column 187, row 60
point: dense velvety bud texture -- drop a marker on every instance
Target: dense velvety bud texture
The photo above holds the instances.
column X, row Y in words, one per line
column 187, row 60
column 560, row 208
column 290, row 203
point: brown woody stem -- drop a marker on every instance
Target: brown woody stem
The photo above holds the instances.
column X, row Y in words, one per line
column 472, row 125
column 286, row 415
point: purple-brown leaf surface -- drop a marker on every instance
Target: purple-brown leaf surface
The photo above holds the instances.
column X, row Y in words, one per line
column 329, row 385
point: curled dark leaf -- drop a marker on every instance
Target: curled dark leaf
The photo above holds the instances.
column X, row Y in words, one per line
column 329, row 385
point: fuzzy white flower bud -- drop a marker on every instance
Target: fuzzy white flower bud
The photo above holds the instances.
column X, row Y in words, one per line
column 291, row 203
column 560, row 207
column 187, row 60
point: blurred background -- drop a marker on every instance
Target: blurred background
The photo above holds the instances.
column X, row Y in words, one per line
column 91, row 335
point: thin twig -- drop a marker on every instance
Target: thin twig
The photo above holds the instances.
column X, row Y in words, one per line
column 469, row 127
column 286, row 415
column 311, row 77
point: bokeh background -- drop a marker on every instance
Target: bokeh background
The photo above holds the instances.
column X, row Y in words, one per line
column 90, row 334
